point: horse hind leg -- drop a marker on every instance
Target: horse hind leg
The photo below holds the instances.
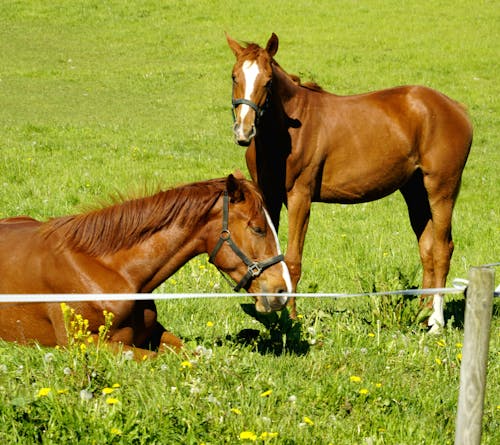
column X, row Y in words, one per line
column 420, row 214
column 441, row 209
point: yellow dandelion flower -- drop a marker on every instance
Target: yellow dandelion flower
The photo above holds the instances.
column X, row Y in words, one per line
column 248, row 435
column 371, row 334
column 44, row 392
column 459, row 356
column 355, row 378
column 458, row 345
column 308, row 420
column 236, row 411
column 112, row 401
column 107, row 390
column 267, row 393
column 116, row 385
column 438, row 361
column 186, row 364
column 116, row 432
column 210, row 324
column 363, row 391
column 378, row 385
column 300, row 316
column 441, row 343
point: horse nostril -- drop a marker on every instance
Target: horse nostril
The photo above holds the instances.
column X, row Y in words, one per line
column 284, row 298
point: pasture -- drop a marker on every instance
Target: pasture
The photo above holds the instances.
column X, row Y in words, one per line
column 99, row 98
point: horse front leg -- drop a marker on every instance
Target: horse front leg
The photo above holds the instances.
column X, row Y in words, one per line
column 299, row 209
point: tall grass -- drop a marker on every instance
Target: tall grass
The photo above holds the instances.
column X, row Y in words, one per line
column 98, row 97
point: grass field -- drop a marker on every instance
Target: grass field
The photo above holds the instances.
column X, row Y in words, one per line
column 99, row 97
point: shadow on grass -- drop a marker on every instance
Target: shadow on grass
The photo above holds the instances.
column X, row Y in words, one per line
column 455, row 310
column 282, row 334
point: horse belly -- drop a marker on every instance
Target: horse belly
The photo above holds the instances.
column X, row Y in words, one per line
column 363, row 180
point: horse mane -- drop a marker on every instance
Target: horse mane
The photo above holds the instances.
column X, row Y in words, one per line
column 313, row 86
column 126, row 223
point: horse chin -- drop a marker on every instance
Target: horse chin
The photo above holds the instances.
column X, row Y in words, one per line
column 266, row 305
column 243, row 142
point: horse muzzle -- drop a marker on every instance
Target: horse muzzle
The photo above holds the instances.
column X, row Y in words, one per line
column 266, row 305
column 243, row 136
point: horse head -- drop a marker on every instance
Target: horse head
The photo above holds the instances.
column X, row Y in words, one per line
column 252, row 81
column 247, row 248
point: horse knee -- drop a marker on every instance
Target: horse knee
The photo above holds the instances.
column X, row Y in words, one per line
column 295, row 270
column 170, row 342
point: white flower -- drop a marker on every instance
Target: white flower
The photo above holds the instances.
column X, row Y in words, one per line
column 128, row 355
column 204, row 352
column 212, row 399
column 86, row 395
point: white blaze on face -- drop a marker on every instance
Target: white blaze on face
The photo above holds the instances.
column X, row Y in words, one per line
column 285, row 271
column 250, row 72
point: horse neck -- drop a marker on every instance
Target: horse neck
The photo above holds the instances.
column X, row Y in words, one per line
column 149, row 238
column 284, row 88
column 150, row 263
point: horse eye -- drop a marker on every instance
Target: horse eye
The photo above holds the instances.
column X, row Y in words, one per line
column 258, row 230
column 234, row 79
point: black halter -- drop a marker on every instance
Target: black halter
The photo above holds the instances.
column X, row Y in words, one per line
column 254, row 268
column 259, row 111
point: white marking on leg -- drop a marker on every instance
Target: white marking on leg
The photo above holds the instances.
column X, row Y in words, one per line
column 285, row 272
column 436, row 320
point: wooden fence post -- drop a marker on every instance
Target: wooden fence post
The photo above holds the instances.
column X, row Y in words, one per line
column 478, row 312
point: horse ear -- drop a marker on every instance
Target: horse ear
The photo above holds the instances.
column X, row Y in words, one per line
column 234, row 45
column 234, row 189
column 238, row 174
column 272, row 45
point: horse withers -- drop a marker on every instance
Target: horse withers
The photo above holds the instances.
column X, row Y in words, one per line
column 305, row 144
column 133, row 247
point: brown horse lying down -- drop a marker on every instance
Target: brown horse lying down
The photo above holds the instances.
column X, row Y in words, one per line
column 133, row 247
column 307, row 145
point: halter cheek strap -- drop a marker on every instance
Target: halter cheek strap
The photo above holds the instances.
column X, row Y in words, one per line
column 255, row 268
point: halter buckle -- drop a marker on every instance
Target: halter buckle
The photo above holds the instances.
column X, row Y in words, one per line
column 255, row 269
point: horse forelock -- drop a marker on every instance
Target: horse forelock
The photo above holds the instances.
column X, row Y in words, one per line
column 251, row 51
column 124, row 224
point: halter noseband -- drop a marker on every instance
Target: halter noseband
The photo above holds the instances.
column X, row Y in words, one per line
column 259, row 111
column 254, row 268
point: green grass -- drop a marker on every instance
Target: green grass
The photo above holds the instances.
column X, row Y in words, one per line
column 98, row 97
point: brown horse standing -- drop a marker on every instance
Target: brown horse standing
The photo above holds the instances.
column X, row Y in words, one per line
column 133, row 247
column 305, row 145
